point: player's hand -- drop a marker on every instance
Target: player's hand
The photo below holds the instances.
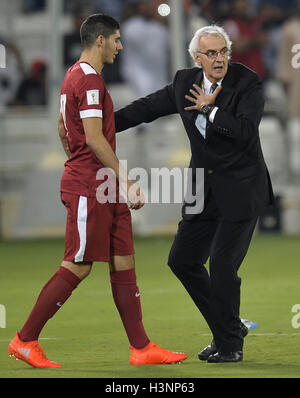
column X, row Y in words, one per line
column 135, row 196
column 199, row 98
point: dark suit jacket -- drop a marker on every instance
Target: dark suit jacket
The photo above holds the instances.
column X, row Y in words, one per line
column 231, row 154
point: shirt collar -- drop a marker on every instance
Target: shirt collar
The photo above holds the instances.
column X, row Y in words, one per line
column 207, row 84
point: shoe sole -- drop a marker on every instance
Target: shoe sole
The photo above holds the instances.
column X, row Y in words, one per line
column 239, row 360
column 211, row 360
column 158, row 363
column 203, row 358
column 136, row 362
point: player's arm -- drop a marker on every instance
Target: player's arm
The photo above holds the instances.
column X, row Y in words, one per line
column 146, row 109
column 62, row 135
column 104, row 152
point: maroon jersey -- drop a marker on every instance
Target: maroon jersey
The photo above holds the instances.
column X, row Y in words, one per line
column 84, row 94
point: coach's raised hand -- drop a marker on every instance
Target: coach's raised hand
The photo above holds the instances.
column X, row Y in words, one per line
column 200, row 98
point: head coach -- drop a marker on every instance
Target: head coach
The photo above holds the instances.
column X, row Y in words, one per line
column 221, row 105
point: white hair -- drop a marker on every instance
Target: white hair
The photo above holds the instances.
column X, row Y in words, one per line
column 208, row 30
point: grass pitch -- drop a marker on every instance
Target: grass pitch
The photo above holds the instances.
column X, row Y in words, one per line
column 86, row 335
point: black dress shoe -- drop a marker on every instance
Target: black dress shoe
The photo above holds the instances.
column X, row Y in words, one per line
column 212, row 348
column 207, row 351
column 218, row 357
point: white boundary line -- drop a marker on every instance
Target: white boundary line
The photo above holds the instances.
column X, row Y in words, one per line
column 200, row 334
column 261, row 334
column 41, row 338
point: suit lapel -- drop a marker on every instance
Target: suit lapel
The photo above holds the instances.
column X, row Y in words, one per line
column 192, row 115
column 227, row 91
column 224, row 97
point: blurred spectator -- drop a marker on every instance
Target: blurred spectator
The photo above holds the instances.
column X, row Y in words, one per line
column 272, row 18
column 202, row 13
column 144, row 59
column 285, row 5
column 245, row 31
column 71, row 41
column 71, row 7
column 30, row 6
column 11, row 75
column 111, row 7
column 115, row 8
column 33, row 89
column 222, row 8
column 289, row 70
column 72, row 46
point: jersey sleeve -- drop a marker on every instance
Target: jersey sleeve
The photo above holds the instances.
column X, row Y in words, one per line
column 90, row 92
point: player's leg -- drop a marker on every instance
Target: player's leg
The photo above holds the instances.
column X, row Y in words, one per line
column 52, row 297
column 127, row 299
column 73, row 269
column 127, row 296
column 57, row 290
column 81, row 269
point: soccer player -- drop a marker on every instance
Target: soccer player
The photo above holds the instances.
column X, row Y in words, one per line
column 95, row 231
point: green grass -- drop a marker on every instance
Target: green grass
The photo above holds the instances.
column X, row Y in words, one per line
column 86, row 335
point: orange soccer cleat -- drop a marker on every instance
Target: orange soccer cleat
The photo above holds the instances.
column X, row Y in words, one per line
column 30, row 352
column 152, row 354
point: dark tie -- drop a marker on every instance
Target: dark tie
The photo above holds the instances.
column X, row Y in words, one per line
column 213, row 87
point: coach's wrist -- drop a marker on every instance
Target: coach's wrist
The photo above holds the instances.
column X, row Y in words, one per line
column 205, row 109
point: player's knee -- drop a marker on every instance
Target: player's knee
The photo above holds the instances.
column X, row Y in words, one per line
column 84, row 271
column 122, row 263
column 81, row 270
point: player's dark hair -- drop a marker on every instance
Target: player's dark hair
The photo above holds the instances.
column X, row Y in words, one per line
column 95, row 25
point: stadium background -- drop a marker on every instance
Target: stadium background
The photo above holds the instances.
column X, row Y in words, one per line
column 31, row 159
column 41, row 39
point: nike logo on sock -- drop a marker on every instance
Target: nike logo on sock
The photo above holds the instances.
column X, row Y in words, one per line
column 137, row 294
column 59, row 304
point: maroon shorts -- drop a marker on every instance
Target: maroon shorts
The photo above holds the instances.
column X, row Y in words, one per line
column 96, row 231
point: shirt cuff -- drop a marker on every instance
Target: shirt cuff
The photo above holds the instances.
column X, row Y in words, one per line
column 212, row 114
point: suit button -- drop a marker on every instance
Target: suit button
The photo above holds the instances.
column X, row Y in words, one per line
column 210, row 171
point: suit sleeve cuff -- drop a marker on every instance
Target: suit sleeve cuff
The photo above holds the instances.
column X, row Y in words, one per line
column 212, row 114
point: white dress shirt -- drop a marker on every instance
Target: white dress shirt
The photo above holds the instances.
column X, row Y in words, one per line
column 201, row 119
